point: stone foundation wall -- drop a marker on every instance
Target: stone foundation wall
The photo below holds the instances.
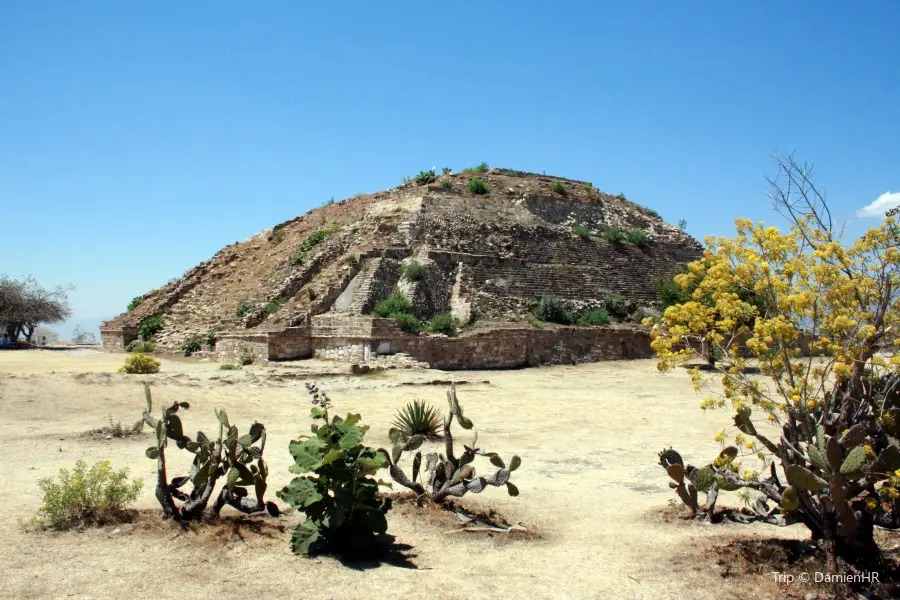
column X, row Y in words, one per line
column 511, row 348
column 115, row 340
column 261, row 346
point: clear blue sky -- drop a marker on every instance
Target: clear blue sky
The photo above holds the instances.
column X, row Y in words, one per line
column 138, row 138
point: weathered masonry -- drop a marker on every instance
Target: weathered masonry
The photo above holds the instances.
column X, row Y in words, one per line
column 308, row 287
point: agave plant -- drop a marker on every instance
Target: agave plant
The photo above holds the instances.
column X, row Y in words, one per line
column 416, row 418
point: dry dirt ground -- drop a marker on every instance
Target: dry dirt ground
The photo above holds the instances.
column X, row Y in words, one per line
column 591, row 488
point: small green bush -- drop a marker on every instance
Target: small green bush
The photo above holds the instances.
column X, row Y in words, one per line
column 140, row 346
column 135, row 302
column 413, row 270
column 614, row 304
column 444, row 323
column 446, row 171
column 425, row 177
column 243, row 308
column 328, row 202
column 298, row 260
column 229, row 367
column 194, row 344
column 552, row 309
column 211, row 339
column 446, row 185
column 394, row 304
column 621, row 197
column 140, row 364
column 559, row 187
column 613, row 234
column 150, row 326
column 587, row 187
column 534, row 321
column 641, row 314
column 338, row 494
column 482, row 168
column 593, row 316
column 278, row 235
column 273, row 305
column 407, row 322
column 317, row 237
column 82, row 497
column 638, row 237
column 650, row 212
column 477, row 186
column 581, row 231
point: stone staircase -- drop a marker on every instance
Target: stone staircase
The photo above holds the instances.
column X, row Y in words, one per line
column 361, row 301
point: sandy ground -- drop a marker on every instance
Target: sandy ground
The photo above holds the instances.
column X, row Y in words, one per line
column 590, row 485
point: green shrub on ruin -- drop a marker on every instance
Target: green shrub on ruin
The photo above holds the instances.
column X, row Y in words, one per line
column 481, row 168
column 407, row 322
column 135, row 302
column 638, row 237
column 278, row 235
column 621, row 197
column 552, row 309
column 229, row 367
column 140, row 346
column 317, row 237
column 616, row 235
column 140, row 364
column 444, row 323
column 615, row 304
column 477, row 186
column 273, row 306
column 582, row 231
column 413, row 270
column 336, row 490
column 593, row 316
column 559, row 187
column 446, row 185
column 81, row 497
column 211, row 339
column 192, row 344
column 394, row 304
column 425, row 177
column 150, row 326
column 243, row 308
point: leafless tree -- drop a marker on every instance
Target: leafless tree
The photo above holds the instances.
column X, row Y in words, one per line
column 80, row 336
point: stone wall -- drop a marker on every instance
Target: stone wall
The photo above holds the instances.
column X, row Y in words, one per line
column 511, row 348
column 261, row 346
column 115, row 340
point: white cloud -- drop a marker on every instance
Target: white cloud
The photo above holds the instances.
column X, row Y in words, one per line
column 884, row 202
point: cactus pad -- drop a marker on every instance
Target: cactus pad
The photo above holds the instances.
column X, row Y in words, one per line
column 804, row 480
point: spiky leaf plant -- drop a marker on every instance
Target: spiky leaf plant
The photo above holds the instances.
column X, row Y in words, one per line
column 416, row 418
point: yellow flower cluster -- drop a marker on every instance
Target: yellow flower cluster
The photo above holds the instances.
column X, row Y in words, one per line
column 822, row 312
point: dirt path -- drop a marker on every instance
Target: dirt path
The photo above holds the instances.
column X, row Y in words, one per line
column 590, row 486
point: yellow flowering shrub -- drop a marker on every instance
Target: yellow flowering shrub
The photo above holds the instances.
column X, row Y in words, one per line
column 805, row 330
column 140, row 363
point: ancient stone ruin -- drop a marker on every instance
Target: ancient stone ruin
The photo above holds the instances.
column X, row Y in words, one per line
column 486, row 254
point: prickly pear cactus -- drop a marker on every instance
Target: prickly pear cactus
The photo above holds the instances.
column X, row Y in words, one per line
column 236, row 458
column 449, row 476
column 688, row 480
